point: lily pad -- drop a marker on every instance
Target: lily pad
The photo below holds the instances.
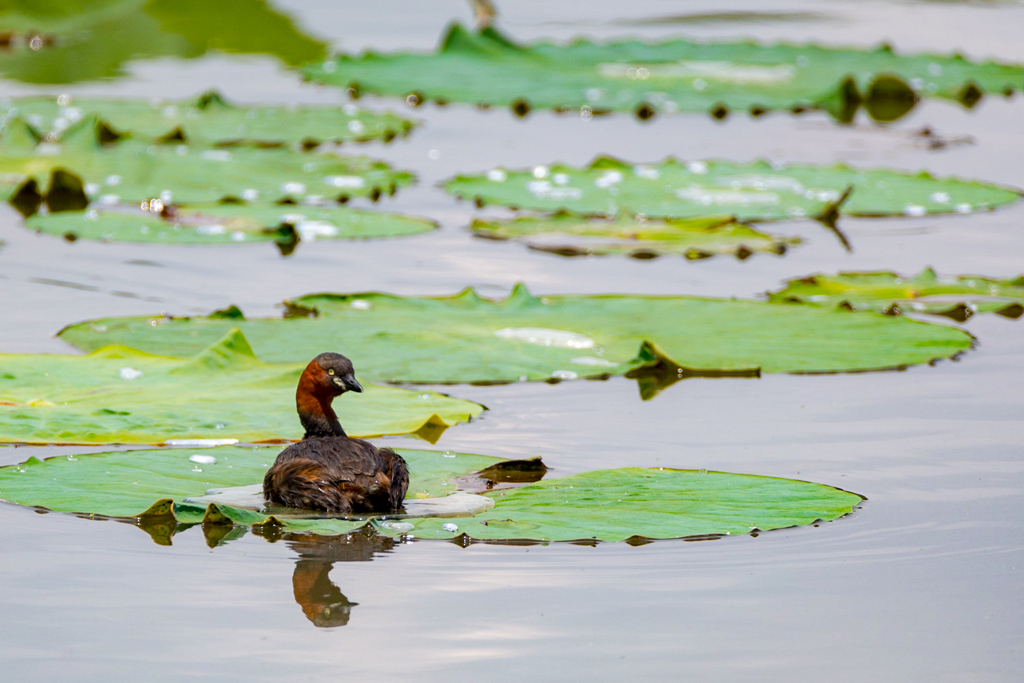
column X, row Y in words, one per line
column 121, row 395
column 466, row 338
column 756, row 191
column 676, row 75
column 637, row 503
column 209, row 119
column 639, row 237
column 66, row 41
column 126, row 483
column 150, row 488
column 957, row 297
column 227, row 223
column 133, row 171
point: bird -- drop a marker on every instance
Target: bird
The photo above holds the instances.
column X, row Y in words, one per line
column 327, row 470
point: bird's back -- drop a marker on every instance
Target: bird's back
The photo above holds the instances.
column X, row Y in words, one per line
column 337, row 474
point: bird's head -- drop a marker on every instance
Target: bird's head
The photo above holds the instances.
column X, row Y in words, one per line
column 332, row 374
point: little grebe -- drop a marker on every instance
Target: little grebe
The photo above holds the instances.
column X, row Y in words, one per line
column 327, row 470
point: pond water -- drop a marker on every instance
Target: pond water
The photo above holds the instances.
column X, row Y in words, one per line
column 925, row 582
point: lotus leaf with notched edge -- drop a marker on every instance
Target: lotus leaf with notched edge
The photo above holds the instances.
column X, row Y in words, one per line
column 228, row 224
column 756, row 191
column 639, row 236
column 957, row 297
column 210, row 120
column 466, row 338
column 118, row 394
column 130, row 171
column 676, row 75
column 150, row 487
column 67, row 41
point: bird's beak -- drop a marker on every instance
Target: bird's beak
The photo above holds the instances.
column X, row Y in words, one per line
column 350, row 384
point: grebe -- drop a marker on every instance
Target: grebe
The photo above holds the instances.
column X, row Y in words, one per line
column 327, row 470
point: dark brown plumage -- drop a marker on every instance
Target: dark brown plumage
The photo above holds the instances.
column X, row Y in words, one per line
column 327, row 470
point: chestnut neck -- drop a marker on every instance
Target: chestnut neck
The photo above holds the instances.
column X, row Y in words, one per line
column 313, row 402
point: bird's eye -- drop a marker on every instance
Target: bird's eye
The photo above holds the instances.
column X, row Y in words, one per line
column 330, row 372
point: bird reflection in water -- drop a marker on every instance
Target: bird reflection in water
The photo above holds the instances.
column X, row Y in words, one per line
column 321, row 601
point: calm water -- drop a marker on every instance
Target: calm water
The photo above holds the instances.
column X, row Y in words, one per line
column 923, row 584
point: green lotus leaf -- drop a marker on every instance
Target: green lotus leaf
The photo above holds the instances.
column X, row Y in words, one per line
column 957, row 297
column 133, row 171
column 227, row 223
column 756, row 191
column 671, row 76
column 127, row 483
column 641, row 237
column 151, row 487
column 659, row 503
column 466, row 338
column 78, row 40
column 209, row 119
column 118, row 394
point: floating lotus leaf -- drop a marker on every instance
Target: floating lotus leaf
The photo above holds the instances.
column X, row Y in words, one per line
column 65, row 41
column 126, row 483
column 227, row 223
column 957, row 297
column 671, row 76
column 466, row 338
column 757, row 191
column 209, row 119
column 609, row 505
column 615, row 505
column 120, row 395
column 643, row 238
column 133, row 171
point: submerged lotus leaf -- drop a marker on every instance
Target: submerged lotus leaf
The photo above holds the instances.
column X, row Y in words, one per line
column 466, row 338
column 133, row 171
column 151, row 487
column 756, row 191
column 76, row 41
column 209, row 119
column 615, row 505
column 639, row 237
column 670, row 76
column 227, row 223
column 121, row 395
column 957, row 297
